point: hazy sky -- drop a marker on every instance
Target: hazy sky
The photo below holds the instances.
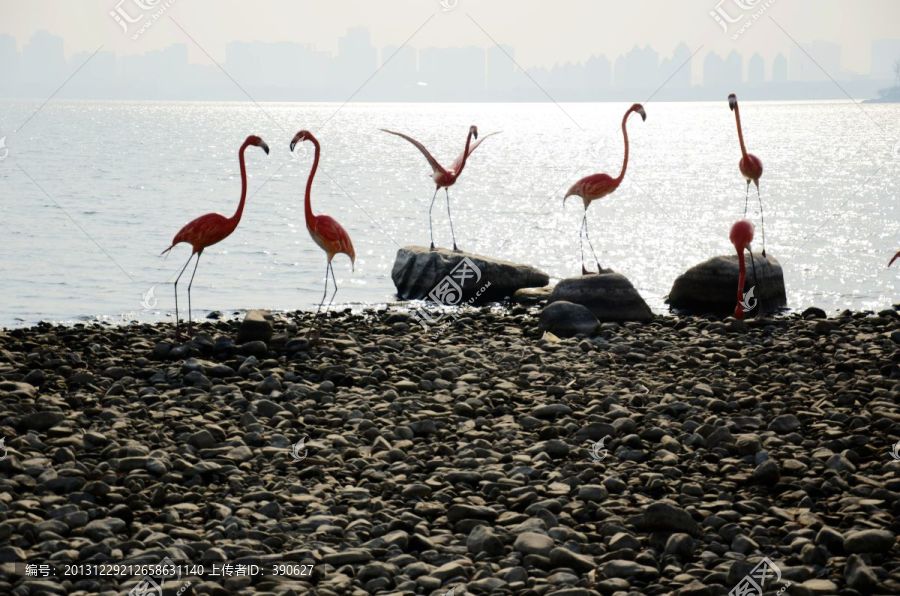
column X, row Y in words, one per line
column 542, row 32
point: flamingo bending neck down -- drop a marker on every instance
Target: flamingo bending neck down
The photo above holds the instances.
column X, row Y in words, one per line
column 324, row 230
column 741, row 236
column 597, row 186
column 445, row 177
column 211, row 228
column 750, row 166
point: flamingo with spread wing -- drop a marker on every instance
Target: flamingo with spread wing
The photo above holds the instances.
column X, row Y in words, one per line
column 445, row 177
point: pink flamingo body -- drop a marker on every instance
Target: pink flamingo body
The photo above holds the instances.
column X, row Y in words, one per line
column 741, row 236
column 445, row 177
column 211, row 228
column 750, row 166
column 325, row 231
column 596, row 186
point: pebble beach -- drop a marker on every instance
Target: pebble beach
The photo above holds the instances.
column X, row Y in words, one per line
column 475, row 457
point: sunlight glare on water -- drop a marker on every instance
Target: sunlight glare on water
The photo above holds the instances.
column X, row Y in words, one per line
column 130, row 174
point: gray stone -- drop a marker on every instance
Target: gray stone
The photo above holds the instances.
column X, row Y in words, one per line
column 784, row 424
column 859, row 576
column 483, row 540
column 868, row 541
column 256, row 326
column 533, row 543
column 628, row 570
column 565, row 319
column 417, row 271
column 609, row 295
column 665, row 515
column 680, row 545
column 711, row 286
column 563, row 557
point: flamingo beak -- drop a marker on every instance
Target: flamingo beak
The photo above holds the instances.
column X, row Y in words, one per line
column 732, row 101
column 264, row 147
column 293, row 143
column 643, row 114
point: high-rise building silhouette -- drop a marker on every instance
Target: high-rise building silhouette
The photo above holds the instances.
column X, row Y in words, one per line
column 779, row 69
column 756, row 70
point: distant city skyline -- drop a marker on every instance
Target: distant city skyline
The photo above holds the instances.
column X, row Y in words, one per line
column 286, row 71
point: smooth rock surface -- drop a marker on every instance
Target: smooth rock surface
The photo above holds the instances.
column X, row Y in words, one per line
column 565, row 319
column 609, row 295
column 418, row 274
column 711, row 286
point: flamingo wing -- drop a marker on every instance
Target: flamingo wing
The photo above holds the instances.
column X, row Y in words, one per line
column 456, row 164
column 435, row 166
column 203, row 231
column 593, row 187
column 332, row 237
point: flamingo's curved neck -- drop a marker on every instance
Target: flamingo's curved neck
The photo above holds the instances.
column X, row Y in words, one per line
column 236, row 218
column 465, row 154
column 625, row 159
column 307, row 202
column 739, row 308
column 737, row 118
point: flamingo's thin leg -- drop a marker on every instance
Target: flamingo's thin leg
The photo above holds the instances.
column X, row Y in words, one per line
column 584, row 270
column 314, row 326
column 762, row 220
column 447, row 191
column 430, row 229
column 190, row 321
column 746, row 199
column 325, row 291
column 593, row 252
column 177, row 322
column 334, row 283
column 756, row 283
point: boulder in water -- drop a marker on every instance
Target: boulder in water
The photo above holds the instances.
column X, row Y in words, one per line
column 711, row 287
column 608, row 295
column 453, row 278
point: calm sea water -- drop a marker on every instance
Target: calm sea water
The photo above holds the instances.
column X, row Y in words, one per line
column 93, row 191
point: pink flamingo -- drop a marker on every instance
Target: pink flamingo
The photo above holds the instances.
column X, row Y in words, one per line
column 324, row 230
column 597, row 186
column 741, row 236
column 445, row 177
column 896, row 256
column 211, row 228
column 750, row 166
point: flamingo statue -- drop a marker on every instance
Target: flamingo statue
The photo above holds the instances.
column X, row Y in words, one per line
column 597, row 186
column 741, row 236
column 896, row 256
column 211, row 228
column 750, row 166
column 324, row 230
column 445, row 177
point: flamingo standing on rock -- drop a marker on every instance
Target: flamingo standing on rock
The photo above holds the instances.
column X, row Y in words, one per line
column 211, row 228
column 324, row 230
column 597, row 186
column 750, row 166
column 741, row 236
column 445, row 177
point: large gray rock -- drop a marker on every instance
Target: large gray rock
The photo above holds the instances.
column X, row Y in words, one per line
column 711, row 286
column 609, row 295
column 454, row 278
column 565, row 319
